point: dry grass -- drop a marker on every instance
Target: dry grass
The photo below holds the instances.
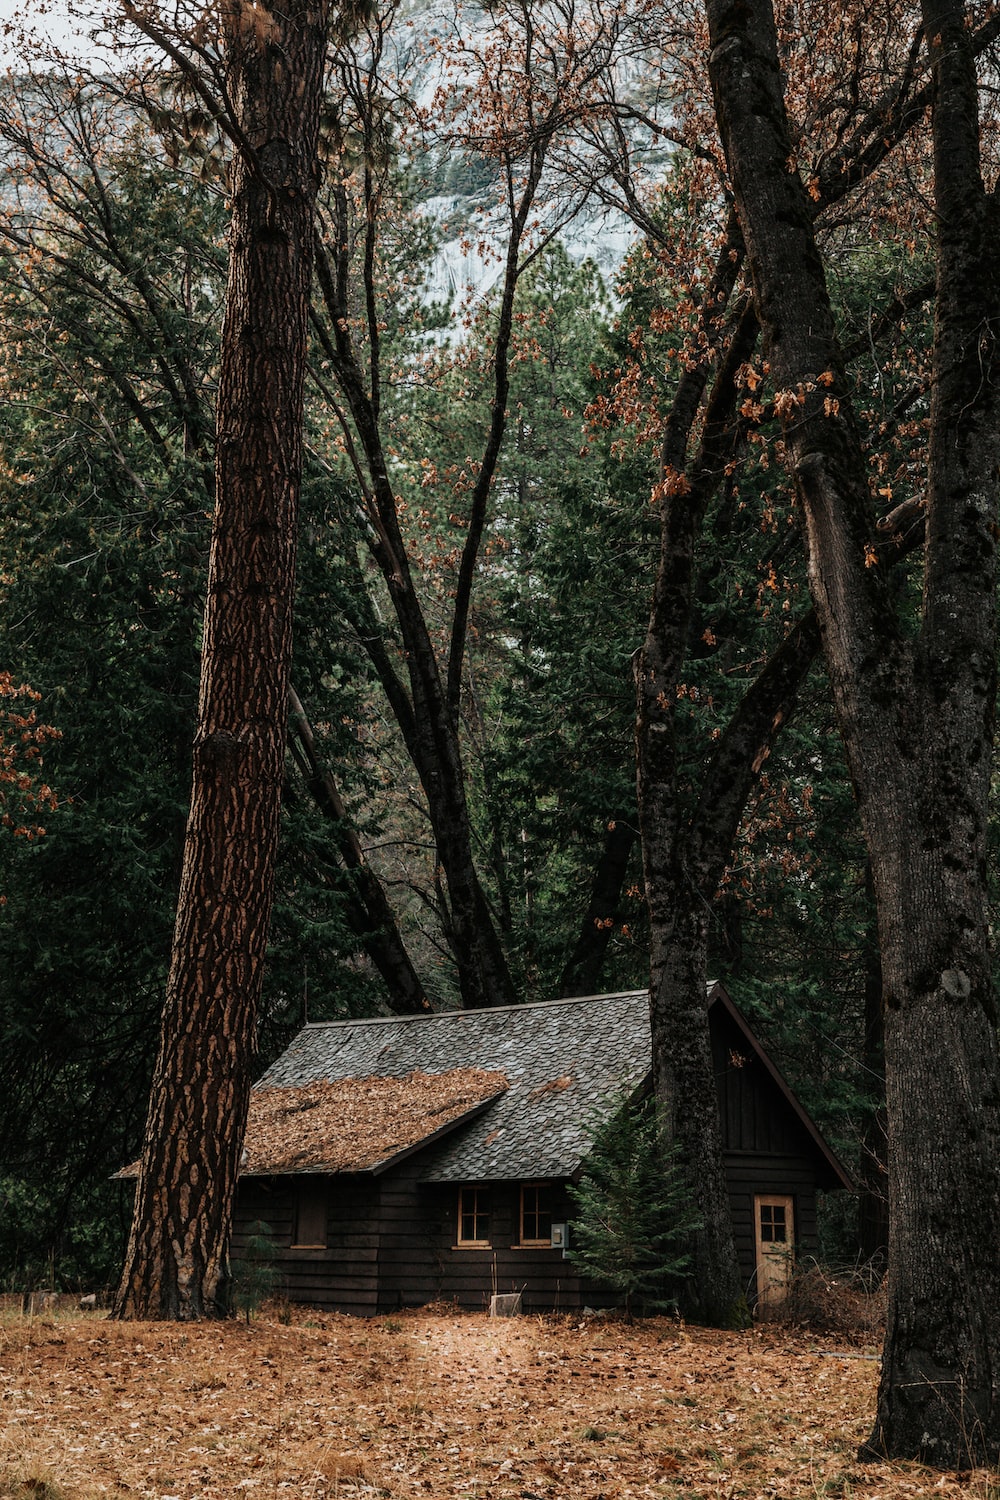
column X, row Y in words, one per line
column 440, row 1405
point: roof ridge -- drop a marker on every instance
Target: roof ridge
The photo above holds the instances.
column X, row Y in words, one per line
column 486, row 1010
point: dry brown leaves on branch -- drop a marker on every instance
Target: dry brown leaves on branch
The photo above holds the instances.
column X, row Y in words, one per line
column 23, row 795
column 440, row 1405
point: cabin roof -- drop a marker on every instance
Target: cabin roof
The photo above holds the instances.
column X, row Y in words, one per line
column 359, row 1124
column 546, row 1074
column 352, row 1125
column 562, row 1059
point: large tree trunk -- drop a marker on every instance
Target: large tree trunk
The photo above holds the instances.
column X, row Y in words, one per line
column 686, row 848
column 873, row 1173
column 683, row 876
column 916, row 714
column 684, row 1076
column 939, row 1397
column 684, row 862
column 177, row 1262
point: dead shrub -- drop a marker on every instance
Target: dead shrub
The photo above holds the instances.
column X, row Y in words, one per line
column 849, row 1303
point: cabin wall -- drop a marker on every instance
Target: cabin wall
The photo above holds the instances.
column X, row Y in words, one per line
column 767, row 1149
column 342, row 1275
column 755, row 1115
column 749, row 1174
column 420, row 1260
column 391, row 1243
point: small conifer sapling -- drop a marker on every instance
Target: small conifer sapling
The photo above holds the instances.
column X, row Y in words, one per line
column 634, row 1211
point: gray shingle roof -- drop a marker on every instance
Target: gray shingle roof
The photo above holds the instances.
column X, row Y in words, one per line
column 563, row 1060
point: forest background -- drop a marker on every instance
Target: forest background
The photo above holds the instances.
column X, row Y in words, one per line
column 532, row 548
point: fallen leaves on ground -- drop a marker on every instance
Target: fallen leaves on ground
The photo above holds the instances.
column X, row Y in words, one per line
column 443, row 1405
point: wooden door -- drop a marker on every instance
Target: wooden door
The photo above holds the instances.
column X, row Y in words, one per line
column 774, row 1219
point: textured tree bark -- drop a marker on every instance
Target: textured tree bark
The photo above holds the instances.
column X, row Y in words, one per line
column 682, row 878
column 684, row 857
column 916, row 715
column 873, row 1174
column 683, row 1079
column 685, row 851
column 177, row 1261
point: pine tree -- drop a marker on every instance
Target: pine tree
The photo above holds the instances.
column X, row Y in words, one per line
column 634, row 1209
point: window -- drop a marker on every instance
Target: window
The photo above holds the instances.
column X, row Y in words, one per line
column 473, row 1216
column 536, row 1213
column 773, row 1224
column 309, row 1224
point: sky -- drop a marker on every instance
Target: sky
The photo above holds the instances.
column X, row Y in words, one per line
column 49, row 20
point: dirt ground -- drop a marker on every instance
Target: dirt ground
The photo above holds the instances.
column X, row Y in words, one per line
column 438, row 1404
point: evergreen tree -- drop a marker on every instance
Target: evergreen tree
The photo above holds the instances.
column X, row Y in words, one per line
column 634, row 1213
column 558, row 610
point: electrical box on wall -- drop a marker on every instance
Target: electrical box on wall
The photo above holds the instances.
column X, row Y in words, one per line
column 560, row 1237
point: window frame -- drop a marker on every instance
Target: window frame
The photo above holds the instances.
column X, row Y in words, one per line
column 311, row 1208
column 773, row 1207
column 536, row 1241
column 480, row 1195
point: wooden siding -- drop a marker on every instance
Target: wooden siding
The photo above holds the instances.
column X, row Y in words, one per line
column 420, row 1260
column 748, row 1174
column 343, row 1275
column 755, row 1115
column 391, row 1240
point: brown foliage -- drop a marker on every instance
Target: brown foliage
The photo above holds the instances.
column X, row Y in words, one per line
column 23, row 795
column 839, row 1304
column 354, row 1124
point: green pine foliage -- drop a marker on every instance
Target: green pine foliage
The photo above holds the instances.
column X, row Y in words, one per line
column 255, row 1274
column 634, row 1210
column 560, row 607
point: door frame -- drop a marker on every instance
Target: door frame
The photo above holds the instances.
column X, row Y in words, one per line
column 774, row 1257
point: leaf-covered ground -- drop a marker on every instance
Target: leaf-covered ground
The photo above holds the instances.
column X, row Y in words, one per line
column 438, row 1404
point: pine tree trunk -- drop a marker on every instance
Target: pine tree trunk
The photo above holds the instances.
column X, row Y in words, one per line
column 177, row 1262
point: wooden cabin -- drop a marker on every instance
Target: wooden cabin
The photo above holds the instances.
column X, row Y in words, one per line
column 403, row 1160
